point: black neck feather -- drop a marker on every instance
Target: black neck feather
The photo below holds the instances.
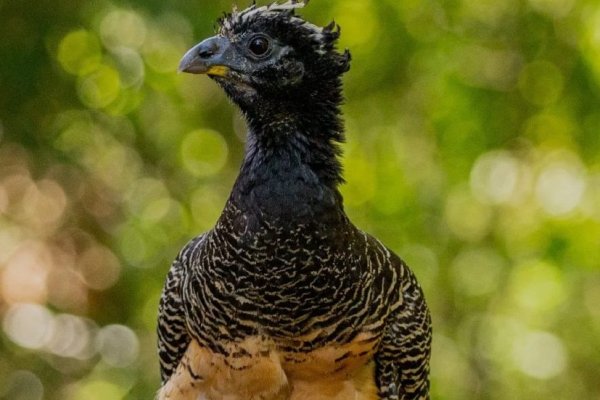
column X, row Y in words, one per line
column 291, row 166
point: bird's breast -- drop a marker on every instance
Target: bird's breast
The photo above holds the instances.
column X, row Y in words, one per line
column 284, row 282
column 258, row 368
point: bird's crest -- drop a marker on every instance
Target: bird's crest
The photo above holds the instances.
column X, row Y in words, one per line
column 323, row 38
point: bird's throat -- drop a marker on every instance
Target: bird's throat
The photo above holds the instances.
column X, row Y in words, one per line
column 288, row 174
column 291, row 167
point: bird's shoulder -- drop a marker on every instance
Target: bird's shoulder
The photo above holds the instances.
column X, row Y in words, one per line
column 171, row 293
column 192, row 248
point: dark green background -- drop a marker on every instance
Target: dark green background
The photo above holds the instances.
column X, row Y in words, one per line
column 473, row 151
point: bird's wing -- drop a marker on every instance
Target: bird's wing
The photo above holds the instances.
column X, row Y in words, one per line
column 402, row 361
column 173, row 337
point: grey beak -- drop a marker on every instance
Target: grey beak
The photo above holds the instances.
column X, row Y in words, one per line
column 205, row 56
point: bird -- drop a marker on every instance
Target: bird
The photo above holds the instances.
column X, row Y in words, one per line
column 285, row 298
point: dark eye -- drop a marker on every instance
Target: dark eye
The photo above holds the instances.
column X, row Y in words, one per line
column 259, row 45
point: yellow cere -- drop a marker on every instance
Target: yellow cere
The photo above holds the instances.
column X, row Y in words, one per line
column 218, row 70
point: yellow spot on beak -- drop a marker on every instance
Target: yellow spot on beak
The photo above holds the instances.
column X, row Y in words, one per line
column 218, row 70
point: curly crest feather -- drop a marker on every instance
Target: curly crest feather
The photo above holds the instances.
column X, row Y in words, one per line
column 323, row 39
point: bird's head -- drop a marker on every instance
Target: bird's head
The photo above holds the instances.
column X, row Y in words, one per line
column 267, row 56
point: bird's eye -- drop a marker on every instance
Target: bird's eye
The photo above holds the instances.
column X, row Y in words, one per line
column 259, row 45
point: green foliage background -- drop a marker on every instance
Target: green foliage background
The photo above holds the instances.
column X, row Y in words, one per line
column 473, row 151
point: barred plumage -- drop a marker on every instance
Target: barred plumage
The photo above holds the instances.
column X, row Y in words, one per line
column 285, row 298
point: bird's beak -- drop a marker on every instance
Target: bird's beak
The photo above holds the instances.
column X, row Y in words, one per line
column 212, row 56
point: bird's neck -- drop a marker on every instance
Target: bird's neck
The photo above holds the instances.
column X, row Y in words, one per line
column 291, row 167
